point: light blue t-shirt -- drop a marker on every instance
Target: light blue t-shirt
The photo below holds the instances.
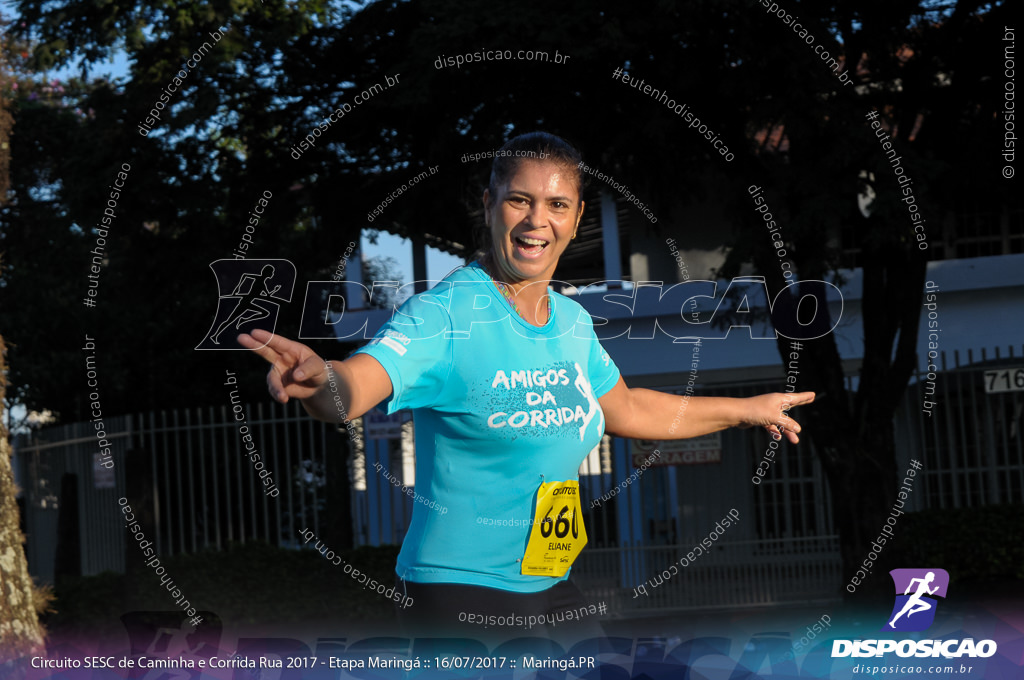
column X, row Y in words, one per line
column 500, row 406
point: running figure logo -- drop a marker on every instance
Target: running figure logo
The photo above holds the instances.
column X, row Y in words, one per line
column 593, row 407
column 257, row 288
column 915, row 611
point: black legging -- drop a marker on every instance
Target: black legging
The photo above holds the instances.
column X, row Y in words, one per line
column 489, row 613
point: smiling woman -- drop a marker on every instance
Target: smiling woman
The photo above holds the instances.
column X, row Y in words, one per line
column 505, row 412
column 532, row 209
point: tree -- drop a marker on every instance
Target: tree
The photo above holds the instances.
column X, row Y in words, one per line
column 379, row 269
column 21, row 636
column 911, row 61
column 282, row 68
column 193, row 181
column 926, row 71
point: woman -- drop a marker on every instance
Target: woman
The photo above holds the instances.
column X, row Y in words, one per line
column 510, row 390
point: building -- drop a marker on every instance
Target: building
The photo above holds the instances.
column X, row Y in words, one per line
column 785, row 547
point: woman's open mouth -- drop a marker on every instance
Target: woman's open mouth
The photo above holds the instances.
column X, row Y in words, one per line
column 530, row 247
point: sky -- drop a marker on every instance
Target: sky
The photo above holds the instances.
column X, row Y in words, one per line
column 438, row 263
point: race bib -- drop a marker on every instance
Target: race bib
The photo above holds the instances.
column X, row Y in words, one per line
column 558, row 535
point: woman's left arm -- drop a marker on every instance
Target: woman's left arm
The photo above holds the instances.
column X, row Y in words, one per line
column 639, row 413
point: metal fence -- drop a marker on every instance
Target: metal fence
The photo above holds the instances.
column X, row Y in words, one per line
column 191, row 480
column 783, row 550
column 732, row 574
column 193, row 484
column 50, row 467
column 787, row 550
column 208, row 489
column 971, row 446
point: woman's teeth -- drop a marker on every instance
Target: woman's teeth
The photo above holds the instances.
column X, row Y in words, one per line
column 531, row 241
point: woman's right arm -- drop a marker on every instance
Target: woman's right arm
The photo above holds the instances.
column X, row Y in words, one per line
column 329, row 391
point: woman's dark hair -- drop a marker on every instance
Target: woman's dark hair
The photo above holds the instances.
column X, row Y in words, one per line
column 534, row 146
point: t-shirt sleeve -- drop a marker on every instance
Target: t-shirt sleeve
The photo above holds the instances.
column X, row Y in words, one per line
column 603, row 371
column 415, row 349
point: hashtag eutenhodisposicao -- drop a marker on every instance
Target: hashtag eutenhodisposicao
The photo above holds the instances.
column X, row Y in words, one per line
column 878, row 544
column 681, row 110
column 102, row 226
column 527, row 622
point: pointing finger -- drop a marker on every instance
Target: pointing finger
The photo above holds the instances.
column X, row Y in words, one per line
column 275, row 386
column 311, row 369
column 261, row 348
column 262, row 335
column 799, row 398
column 278, row 343
column 777, row 432
column 787, row 422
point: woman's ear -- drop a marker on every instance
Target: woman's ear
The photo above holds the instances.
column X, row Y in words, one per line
column 487, row 207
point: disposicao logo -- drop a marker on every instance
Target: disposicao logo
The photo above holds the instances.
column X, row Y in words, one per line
column 914, row 611
column 251, row 293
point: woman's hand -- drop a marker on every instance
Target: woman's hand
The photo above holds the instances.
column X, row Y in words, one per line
column 357, row 384
column 296, row 371
column 771, row 411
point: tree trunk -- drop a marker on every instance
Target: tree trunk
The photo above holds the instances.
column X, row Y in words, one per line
column 857, row 452
column 863, row 480
column 21, row 636
column 853, row 431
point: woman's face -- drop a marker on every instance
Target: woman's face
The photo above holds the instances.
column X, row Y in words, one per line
column 532, row 220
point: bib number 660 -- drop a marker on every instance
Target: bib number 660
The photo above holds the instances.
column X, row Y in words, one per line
column 560, row 525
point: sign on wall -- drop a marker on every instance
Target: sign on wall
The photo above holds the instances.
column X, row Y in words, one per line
column 704, row 450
